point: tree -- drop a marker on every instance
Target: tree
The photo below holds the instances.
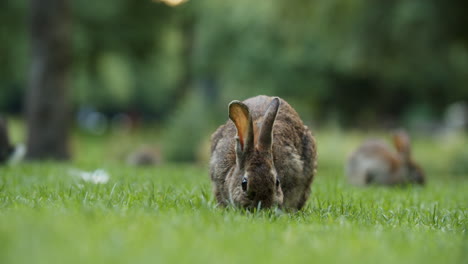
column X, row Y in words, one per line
column 5, row 147
column 47, row 99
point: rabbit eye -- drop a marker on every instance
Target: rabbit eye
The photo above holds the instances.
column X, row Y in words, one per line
column 244, row 184
column 277, row 182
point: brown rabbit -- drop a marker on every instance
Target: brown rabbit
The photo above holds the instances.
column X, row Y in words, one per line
column 374, row 162
column 144, row 156
column 264, row 156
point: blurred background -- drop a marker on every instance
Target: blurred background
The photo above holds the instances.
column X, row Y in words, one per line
column 167, row 70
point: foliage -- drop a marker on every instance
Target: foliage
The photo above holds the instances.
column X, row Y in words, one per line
column 187, row 130
column 362, row 60
column 354, row 63
column 357, row 58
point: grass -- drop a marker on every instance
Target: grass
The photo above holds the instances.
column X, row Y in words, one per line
column 167, row 214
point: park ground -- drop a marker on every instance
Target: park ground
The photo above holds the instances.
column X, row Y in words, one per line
column 167, row 214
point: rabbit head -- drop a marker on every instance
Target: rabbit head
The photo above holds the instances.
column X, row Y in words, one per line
column 413, row 172
column 254, row 180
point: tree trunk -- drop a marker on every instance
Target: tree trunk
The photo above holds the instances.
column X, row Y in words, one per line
column 47, row 102
column 5, row 147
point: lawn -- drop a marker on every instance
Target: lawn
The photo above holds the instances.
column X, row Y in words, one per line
column 166, row 214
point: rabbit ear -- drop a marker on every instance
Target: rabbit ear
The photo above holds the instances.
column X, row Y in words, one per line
column 402, row 143
column 239, row 114
column 266, row 130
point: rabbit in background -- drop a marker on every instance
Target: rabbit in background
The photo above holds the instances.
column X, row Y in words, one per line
column 144, row 156
column 263, row 156
column 375, row 162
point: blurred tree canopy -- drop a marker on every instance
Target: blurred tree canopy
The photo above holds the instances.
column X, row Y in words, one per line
column 353, row 61
column 350, row 58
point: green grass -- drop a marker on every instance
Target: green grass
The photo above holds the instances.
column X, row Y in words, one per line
column 167, row 214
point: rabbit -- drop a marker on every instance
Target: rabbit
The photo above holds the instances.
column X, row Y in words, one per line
column 144, row 156
column 374, row 162
column 263, row 157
